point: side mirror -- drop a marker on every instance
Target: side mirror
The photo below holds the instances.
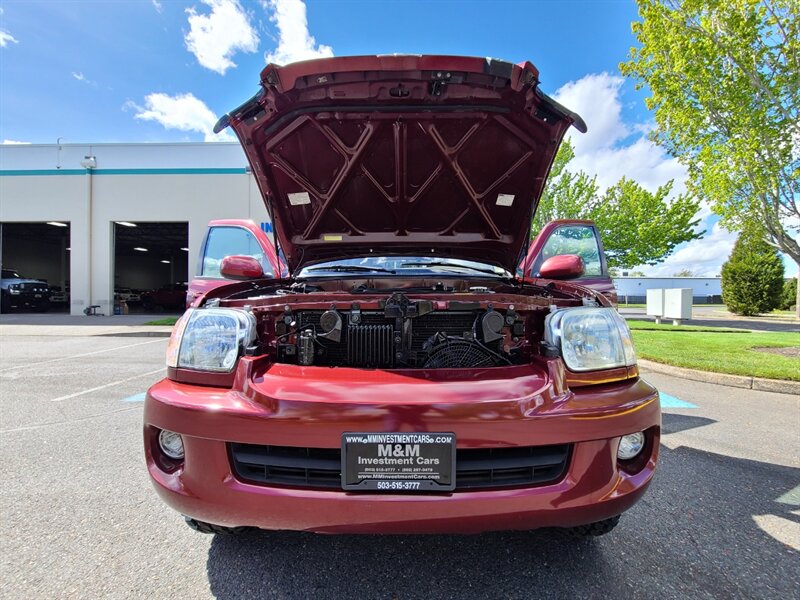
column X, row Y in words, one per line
column 563, row 266
column 241, row 267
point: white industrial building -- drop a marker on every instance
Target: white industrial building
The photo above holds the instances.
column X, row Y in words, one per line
column 705, row 290
column 92, row 217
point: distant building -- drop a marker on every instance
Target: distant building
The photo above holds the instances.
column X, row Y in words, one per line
column 97, row 218
column 705, row 290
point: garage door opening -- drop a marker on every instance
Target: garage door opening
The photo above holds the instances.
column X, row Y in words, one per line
column 35, row 263
column 151, row 265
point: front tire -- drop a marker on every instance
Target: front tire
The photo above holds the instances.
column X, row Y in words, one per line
column 595, row 529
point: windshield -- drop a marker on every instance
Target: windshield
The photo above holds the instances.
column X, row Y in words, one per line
column 403, row 265
column 10, row 274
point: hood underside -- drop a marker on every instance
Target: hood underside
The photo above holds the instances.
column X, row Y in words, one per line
column 401, row 155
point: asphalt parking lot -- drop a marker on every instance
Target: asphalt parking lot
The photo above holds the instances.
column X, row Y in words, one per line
column 80, row 519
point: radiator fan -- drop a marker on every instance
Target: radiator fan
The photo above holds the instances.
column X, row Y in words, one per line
column 457, row 353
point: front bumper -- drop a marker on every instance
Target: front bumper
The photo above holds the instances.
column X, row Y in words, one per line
column 311, row 406
column 27, row 299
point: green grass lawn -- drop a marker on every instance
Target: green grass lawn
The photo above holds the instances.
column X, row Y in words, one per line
column 165, row 321
column 635, row 324
column 720, row 351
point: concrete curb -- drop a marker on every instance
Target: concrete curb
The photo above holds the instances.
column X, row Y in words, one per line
column 740, row 381
column 124, row 331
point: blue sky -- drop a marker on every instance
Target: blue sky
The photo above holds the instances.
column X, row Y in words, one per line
column 163, row 70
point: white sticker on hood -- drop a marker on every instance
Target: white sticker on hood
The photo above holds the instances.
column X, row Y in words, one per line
column 300, row 198
column 505, row 199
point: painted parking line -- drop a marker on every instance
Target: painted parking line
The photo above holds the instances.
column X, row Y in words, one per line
column 107, row 385
column 668, row 401
column 72, row 356
column 135, row 398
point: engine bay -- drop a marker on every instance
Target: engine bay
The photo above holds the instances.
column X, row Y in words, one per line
column 403, row 333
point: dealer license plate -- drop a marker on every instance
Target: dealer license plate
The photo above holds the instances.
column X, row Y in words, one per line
column 399, row 462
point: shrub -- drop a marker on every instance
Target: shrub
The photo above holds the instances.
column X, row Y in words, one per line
column 789, row 296
column 752, row 279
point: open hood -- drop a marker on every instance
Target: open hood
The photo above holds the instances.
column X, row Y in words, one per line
column 401, row 155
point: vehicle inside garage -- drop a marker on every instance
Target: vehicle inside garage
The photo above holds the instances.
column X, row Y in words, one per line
column 151, row 263
column 35, row 251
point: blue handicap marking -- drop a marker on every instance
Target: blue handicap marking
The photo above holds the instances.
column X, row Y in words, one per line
column 135, row 398
column 668, row 401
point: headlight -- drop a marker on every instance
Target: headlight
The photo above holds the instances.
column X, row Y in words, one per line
column 210, row 339
column 13, row 289
column 590, row 339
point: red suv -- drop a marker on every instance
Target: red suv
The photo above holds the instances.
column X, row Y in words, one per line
column 232, row 237
column 170, row 297
column 403, row 378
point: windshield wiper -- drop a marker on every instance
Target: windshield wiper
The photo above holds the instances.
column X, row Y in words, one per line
column 451, row 265
column 352, row 269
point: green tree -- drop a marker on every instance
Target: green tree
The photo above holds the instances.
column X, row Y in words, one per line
column 752, row 279
column 789, row 296
column 724, row 81
column 683, row 273
column 637, row 226
column 567, row 195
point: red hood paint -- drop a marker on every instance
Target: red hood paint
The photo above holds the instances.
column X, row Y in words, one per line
column 401, row 155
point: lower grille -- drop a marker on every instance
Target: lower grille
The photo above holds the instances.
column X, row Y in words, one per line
column 39, row 288
column 320, row 468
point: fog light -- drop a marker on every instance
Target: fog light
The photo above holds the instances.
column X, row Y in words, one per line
column 630, row 446
column 171, row 444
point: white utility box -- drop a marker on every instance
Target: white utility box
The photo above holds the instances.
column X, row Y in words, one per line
column 655, row 304
column 678, row 305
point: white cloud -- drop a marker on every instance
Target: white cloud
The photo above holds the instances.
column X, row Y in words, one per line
column 295, row 43
column 6, row 38
column 642, row 161
column 13, row 143
column 703, row 258
column 596, row 98
column 184, row 112
column 79, row 76
column 157, row 5
column 602, row 150
column 215, row 37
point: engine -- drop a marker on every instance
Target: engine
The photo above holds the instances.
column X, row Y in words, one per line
column 404, row 334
